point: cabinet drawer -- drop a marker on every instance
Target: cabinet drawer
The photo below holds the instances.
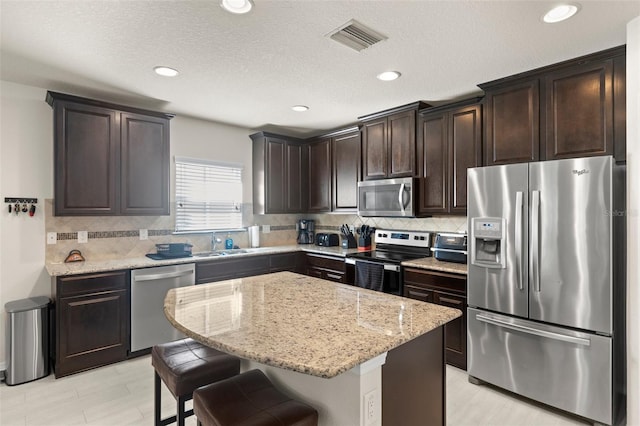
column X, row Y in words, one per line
column 418, row 293
column 436, row 280
column 327, row 262
column 82, row 284
column 217, row 270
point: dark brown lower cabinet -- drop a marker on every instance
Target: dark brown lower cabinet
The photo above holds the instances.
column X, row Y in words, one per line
column 92, row 321
column 449, row 290
column 326, row 267
column 226, row 269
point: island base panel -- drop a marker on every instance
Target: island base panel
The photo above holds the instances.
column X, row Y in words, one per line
column 413, row 382
column 339, row 400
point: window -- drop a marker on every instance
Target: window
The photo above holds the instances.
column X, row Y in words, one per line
column 208, row 195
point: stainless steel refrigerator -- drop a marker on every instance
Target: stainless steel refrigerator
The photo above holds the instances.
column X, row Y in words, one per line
column 546, row 283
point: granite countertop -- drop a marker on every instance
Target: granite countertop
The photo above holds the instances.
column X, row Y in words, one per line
column 433, row 264
column 300, row 323
column 92, row 266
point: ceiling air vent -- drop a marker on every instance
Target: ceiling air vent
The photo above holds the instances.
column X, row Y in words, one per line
column 357, row 36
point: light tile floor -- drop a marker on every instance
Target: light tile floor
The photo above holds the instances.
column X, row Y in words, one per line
column 122, row 394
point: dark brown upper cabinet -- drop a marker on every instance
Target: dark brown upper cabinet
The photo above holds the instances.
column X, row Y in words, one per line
column 389, row 142
column 575, row 108
column 320, row 175
column 109, row 159
column 334, row 171
column 346, row 170
column 279, row 174
column 449, row 142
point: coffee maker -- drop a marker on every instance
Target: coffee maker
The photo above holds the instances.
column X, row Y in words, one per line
column 305, row 228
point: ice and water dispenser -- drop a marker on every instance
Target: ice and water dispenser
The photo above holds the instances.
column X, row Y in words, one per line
column 488, row 239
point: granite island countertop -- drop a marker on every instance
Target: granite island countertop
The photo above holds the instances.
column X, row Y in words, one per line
column 93, row 266
column 433, row 264
column 300, row 323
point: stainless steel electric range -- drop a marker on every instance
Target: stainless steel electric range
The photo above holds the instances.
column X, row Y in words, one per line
column 380, row 269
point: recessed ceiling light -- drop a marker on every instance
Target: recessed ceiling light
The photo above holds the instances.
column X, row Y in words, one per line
column 300, row 108
column 388, row 75
column 166, row 71
column 237, row 6
column 560, row 13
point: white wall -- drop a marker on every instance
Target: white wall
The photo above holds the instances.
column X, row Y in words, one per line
column 26, row 170
column 633, row 222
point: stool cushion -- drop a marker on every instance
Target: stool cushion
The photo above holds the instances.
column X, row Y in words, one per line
column 185, row 365
column 249, row 399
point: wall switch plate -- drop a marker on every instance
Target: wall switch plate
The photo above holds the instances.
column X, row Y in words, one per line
column 52, row 237
column 83, row 237
column 266, row 228
column 144, row 234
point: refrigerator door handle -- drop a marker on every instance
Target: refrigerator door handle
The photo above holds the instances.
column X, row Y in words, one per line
column 535, row 237
column 518, row 236
column 534, row 331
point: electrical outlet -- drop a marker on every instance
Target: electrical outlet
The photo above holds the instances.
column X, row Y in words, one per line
column 52, row 237
column 144, row 234
column 266, row 228
column 83, row 237
column 370, row 408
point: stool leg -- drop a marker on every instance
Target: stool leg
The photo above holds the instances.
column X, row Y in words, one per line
column 156, row 401
column 181, row 413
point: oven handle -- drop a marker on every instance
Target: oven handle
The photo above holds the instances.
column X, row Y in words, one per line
column 387, row 266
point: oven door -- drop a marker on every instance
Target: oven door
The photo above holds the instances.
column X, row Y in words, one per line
column 378, row 276
column 387, row 197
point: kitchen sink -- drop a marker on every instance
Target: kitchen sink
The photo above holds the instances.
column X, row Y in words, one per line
column 221, row 253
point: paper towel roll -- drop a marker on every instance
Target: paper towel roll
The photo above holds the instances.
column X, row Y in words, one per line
column 254, row 236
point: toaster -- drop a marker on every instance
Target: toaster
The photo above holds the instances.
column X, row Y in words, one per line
column 327, row 240
column 450, row 247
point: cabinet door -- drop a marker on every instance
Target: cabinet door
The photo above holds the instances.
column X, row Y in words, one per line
column 465, row 151
column 144, row 165
column 276, row 175
column 86, row 160
column 579, row 111
column 92, row 331
column 512, row 124
column 226, row 269
column 456, row 330
column 401, row 144
column 374, row 149
column 295, row 185
column 434, row 192
column 346, row 172
column 320, row 176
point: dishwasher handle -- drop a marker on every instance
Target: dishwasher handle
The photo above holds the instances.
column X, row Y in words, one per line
column 154, row 277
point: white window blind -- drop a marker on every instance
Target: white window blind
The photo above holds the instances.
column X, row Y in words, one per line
column 208, row 195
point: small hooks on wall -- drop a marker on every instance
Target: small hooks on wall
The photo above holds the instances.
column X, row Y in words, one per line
column 19, row 205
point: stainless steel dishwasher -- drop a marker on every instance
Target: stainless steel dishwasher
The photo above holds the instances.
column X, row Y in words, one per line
column 149, row 286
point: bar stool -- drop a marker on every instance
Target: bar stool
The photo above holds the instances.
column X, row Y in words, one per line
column 249, row 399
column 184, row 366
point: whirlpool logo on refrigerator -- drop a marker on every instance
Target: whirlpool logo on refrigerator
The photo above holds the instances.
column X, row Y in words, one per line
column 580, row 172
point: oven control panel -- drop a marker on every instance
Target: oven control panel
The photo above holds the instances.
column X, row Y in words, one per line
column 404, row 238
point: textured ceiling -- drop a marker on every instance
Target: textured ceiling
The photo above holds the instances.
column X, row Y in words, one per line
column 248, row 70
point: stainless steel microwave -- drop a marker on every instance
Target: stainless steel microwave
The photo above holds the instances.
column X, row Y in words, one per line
column 387, row 197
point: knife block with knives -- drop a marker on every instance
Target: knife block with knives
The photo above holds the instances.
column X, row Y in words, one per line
column 348, row 239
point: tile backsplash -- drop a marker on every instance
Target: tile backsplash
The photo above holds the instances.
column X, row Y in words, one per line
column 119, row 237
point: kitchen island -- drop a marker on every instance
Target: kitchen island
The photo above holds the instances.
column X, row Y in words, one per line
column 359, row 357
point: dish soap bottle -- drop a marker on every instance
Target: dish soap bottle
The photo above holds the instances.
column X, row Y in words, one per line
column 228, row 243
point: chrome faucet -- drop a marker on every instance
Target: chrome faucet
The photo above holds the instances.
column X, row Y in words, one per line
column 214, row 241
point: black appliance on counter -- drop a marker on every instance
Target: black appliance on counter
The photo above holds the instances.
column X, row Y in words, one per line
column 380, row 269
column 327, row 240
column 450, row 247
column 306, row 228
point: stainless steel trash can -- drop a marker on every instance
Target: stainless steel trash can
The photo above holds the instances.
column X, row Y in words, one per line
column 27, row 339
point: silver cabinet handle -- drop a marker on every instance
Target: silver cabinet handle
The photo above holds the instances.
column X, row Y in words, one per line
column 535, row 240
column 400, row 197
column 534, row 331
column 518, row 226
column 154, row 277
